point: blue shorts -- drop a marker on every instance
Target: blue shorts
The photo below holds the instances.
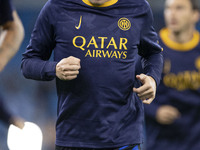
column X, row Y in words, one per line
column 130, row 147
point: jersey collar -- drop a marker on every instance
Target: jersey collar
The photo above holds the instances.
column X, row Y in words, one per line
column 106, row 4
column 164, row 35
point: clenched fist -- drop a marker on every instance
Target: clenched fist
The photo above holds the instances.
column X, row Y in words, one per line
column 68, row 68
column 167, row 114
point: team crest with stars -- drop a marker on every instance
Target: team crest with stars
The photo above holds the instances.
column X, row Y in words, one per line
column 124, row 24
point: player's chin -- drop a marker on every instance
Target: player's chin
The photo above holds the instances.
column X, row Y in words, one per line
column 174, row 28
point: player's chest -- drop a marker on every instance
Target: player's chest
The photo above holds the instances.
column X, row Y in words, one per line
column 98, row 29
column 182, row 70
column 182, row 62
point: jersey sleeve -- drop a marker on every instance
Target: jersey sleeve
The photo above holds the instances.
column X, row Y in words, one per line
column 5, row 11
column 150, row 50
column 35, row 62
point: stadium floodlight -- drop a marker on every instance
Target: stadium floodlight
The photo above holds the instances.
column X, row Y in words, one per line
column 28, row 138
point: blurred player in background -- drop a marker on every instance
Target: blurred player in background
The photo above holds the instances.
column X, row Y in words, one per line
column 95, row 45
column 11, row 36
column 173, row 119
column 11, row 32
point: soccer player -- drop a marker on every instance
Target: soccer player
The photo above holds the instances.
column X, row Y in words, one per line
column 95, row 45
column 173, row 120
column 11, row 36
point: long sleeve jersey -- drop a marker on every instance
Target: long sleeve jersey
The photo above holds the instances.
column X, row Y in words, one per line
column 98, row 109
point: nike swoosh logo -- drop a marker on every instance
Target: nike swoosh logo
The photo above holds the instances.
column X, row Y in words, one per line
column 79, row 26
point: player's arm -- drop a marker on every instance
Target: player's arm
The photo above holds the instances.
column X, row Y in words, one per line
column 151, row 60
column 35, row 62
column 12, row 34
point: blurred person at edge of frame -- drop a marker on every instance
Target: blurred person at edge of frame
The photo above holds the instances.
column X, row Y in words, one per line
column 173, row 119
column 11, row 37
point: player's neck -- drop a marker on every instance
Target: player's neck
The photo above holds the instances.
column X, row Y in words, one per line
column 183, row 36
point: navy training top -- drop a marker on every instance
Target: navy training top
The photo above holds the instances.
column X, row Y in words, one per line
column 98, row 109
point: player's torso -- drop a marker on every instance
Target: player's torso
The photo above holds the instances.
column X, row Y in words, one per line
column 105, row 39
column 181, row 72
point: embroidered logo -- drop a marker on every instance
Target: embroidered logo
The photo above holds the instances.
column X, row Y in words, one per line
column 79, row 26
column 124, row 24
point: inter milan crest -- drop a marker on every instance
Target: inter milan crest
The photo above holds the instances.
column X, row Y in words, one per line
column 124, row 24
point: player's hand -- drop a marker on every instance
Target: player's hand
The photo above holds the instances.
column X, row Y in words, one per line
column 68, row 68
column 167, row 114
column 147, row 91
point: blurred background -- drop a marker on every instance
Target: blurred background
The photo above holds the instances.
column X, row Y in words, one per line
column 33, row 100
